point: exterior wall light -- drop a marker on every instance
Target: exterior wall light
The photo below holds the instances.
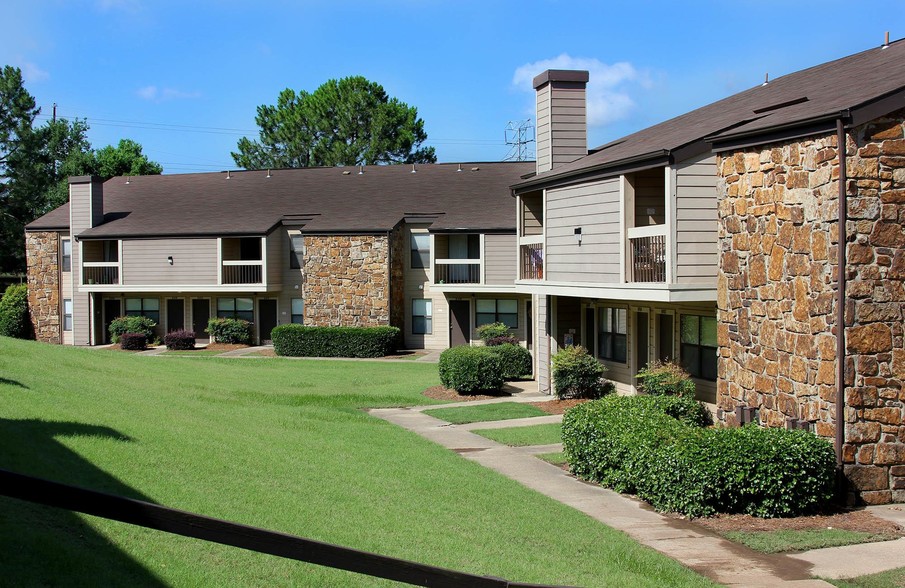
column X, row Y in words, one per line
column 170, row 260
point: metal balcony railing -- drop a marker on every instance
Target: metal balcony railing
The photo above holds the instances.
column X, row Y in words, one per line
column 242, row 272
column 532, row 261
column 96, row 272
column 457, row 271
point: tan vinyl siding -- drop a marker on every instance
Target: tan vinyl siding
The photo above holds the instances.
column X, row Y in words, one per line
column 79, row 220
column 696, row 221
column 532, row 213
column 417, row 284
column 291, row 280
column 544, row 148
column 650, row 195
column 145, row 262
column 541, row 349
column 594, row 207
column 277, row 255
column 499, row 259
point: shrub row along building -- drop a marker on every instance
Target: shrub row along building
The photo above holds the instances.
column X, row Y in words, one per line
column 712, row 238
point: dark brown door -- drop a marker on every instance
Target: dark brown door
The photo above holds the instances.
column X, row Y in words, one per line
column 113, row 308
column 175, row 314
column 267, row 319
column 665, row 338
column 460, row 315
column 201, row 313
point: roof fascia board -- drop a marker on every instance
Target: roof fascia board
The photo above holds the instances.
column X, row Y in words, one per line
column 690, row 150
column 494, row 231
column 146, row 237
column 778, row 134
column 625, row 166
column 877, row 108
column 46, row 229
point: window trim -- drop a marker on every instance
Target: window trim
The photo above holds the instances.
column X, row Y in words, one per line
column 601, row 348
column 296, row 257
column 428, row 318
column 700, row 347
column 417, row 254
column 497, row 313
column 65, row 260
column 234, row 313
column 67, row 316
column 292, row 314
column 142, row 311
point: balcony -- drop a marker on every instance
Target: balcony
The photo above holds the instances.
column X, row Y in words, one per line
column 531, row 265
column 647, row 246
column 242, row 272
column 457, row 271
column 100, row 272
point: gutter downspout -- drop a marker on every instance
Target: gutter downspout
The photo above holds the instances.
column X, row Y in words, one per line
column 840, row 299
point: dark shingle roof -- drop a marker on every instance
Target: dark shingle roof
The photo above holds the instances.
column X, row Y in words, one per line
column 55, row 220
column 821, row 93
column 332, row 200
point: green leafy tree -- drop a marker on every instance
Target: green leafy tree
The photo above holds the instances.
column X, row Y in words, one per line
column 349, row 121
column 126, row 159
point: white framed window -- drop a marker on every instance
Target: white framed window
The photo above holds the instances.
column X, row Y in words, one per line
column 67, row 314
column 298, row 311
column 296, row 251
column 611, row 334
column 66, row 255
column 422, row 316
column 146, row 307
column 421, row 250
column 698, row 346
column 237, row 308
column 496, row 311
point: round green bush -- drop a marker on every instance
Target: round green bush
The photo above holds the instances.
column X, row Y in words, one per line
column 665, row 378
column 132, row 324
column 576, row 374
column 470, row 370
column 14, row 320
column 515, row 360
column 491, row 331
column 230, row 331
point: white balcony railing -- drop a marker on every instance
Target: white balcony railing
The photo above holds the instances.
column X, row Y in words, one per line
column 531, row 266
column 100, row 272
column 648, row 254
column 457, row 271
column 242, row 272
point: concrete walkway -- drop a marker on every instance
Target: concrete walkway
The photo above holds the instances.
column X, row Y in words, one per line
column 695, row 547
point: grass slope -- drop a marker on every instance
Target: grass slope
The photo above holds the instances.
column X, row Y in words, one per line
column 889, row 579
column 276, row 444
column 498, row 411
column 546, row 434
column 800, row 540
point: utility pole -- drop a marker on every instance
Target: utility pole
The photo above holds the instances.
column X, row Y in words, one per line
column 519, row 133
column 54, row 112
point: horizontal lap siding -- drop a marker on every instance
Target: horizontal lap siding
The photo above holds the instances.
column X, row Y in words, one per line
column 595, row 208
column 499, row 259
column 277, row 257
column 696, row 221
column 194, row 262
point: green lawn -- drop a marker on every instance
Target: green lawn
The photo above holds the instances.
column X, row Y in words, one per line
column 802, row 540
column 523, row 436
column 500, row 411
column 890, row 579
column 557, row 458
column 193, row 353
column 276, row 444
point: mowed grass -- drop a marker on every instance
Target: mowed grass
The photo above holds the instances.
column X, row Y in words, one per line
column 801, row 540
column 557, row 458
column 276, row 444
column 545, row 434
column 499, row 411
column 889, row 579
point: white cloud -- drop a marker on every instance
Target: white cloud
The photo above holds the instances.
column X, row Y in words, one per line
column 31, row 73
column 608, row 94
column 155, row 94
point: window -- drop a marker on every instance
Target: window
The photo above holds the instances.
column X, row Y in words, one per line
column 66, row 246
column 147, row 307
column 611, row 342
column 237, row 308
column 298, row 311
column 698, row 347
column 421, row 250
column 67, row 314
column 422, row 321
column 497, row 311
column 296, row 251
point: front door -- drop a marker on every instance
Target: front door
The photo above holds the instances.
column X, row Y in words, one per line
column 201, row 313
column 267, row 319
column 460, row 322
column 175, row 314
column 113, row 308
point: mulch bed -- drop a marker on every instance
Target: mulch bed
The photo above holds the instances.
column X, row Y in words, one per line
column 852, row 520
column 222, row 347
column 441, row 393
column 557, row 406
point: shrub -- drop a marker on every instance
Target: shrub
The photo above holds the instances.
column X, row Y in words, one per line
column 180, row 340
column 132, row 324
column 230, row 331
column 665, row 378
column 515, row 360
column 501, row 340
column 576, row 374
column 301, row 341
column 471, row 369
column 489, row 331
column 14, row 320
column 658, row 448
column 133, row 341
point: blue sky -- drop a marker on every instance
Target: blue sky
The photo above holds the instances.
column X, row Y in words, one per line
column 184, row 78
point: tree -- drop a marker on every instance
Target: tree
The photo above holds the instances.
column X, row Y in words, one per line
column 126, row 159
column 344, row 122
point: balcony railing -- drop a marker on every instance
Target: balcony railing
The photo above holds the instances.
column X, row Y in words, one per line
column 242, row 272
column 457, row 271
column 648, row 250
column 98, row 272
column 532, row 261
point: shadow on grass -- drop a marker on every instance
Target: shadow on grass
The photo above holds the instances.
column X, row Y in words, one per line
column 13, row 383
column 44, row 546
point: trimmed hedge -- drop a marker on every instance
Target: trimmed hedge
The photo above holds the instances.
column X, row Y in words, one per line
column 514, row 359
column 133, row 341
column 470, row 370
column 501, row 340
column 14, row 312
column 665, row 377
column 132, row 324
column 657, row 447
column 230, row 331
column 491, row 331
column 180, row 340
column 576, row 374
column 295, row 340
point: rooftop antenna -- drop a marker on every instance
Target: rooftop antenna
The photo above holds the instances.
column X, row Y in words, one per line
column 886, row 42
column 519, row 133
column 766, row 79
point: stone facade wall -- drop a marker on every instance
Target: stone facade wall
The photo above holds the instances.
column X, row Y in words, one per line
column 778, row 235
column 42, row 256
column 347, row 281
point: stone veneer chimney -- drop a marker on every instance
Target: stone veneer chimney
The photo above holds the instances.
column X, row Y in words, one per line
column 562, row 135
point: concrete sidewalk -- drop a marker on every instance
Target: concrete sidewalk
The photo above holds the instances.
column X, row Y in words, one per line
column 705, row 552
